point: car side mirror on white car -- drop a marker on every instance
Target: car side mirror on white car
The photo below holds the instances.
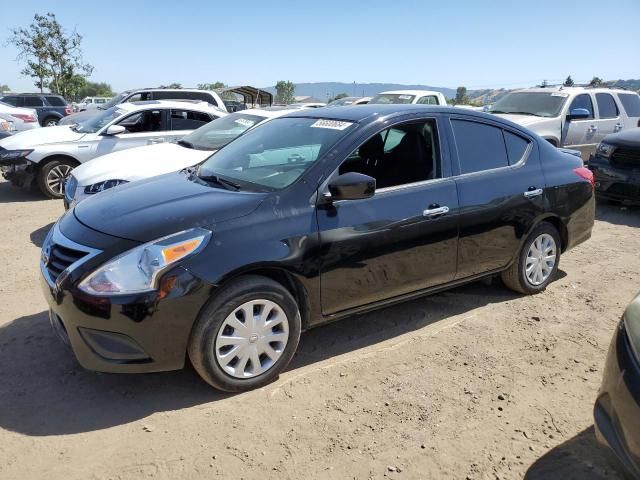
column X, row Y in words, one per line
column 115, row 130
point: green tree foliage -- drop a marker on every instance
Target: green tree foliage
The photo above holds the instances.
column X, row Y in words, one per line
column 461, row 96
column 338, row 97
column 4, row 87
column 52, row 57
column 171, row 85
column 215, row 86
column 285, row 92
column 596, row 82
column 93, row 89
column 569, row 82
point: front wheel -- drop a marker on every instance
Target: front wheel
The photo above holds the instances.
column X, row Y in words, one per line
column 52, row 177
column 537, row 261
column 246, row 335
column 50, row 122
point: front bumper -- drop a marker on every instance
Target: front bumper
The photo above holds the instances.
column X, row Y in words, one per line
column 619, row 184
column 120, row 334
column 617, row 409
column 19, row 172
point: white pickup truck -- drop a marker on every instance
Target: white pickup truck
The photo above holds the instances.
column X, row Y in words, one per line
column 419, row 97
column 572, row 117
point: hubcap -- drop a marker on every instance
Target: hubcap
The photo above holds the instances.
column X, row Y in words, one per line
column 52, row 123
column 56, row 178
column 252, row 338
column 541, row 258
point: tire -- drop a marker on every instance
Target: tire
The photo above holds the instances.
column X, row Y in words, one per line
column 50, row 122
column 516, row 277
column 221, row 321
column 52, row 176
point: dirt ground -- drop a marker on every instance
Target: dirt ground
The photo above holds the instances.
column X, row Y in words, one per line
column 474, row 383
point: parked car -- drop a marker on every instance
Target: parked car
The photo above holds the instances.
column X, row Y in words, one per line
column 145, row 94
column 49, row 108
column 127, row 166
column 341, row 102
column 27, row 116
column 7, row 125
column 617, row 409
column 307, row 105
column 573, row 117
column 419, row 97
column 90, row 103
column 616, row 167
column 47, row 156
column 307, row 218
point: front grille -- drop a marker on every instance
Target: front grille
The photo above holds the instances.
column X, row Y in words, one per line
column 625, row 190
column 626, row 158
column 60, row 258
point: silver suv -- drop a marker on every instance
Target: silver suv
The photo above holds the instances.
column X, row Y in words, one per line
column 572, row 117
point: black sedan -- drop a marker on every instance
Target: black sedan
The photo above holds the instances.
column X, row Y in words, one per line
column 617, row 410
column 616, row 167
column 314, row 216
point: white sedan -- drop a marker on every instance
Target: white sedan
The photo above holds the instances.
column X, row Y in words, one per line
column 132, row 165
column 48, row 155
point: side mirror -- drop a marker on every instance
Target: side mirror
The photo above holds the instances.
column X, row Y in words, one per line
column 115, row 130
column 578, row 114
column 352, row 186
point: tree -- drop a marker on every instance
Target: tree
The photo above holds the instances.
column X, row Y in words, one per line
column 52, row 56
column 215, row 86
column 461, row 96
column 4, row 87
column 95, row 89
column 596, row 82
column 285, row 90
column 338, row 97
column 569, row 82
column 171, row 85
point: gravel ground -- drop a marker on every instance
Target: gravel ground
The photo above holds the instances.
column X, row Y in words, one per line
column 474, row 383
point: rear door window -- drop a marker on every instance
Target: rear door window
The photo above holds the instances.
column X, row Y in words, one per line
column 583, row 101
column 630, row 103
column 480, row 146
column 607, row 107
column 188, row 120
column 11, row 100
column 33, row 102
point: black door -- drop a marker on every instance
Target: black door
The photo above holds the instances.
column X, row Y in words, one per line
column 500, row 189
column 401, row 240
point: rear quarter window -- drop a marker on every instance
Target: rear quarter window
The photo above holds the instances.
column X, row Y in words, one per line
column 607, row 107
column 516, row 146
column 56, row 101
column 480, row 146
column 630, row 103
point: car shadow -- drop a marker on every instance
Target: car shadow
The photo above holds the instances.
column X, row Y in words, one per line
column 12, row 194
column 37, row 236
column 45, row 392
column 618, row 214
column 580, row 458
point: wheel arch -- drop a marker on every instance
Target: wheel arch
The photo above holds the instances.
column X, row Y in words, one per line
column 54, row 157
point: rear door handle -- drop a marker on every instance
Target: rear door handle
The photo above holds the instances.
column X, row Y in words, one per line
column 533, row 193
column 156, row 140
column 593, row 129
column 435, row 212
column 618, row 127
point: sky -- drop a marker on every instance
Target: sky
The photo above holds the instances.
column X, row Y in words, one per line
column 444, row 43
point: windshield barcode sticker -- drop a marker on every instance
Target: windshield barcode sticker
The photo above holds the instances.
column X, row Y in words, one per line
column 332, row 124
column 244, row 122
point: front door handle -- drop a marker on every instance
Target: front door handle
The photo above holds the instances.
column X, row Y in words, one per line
column 156, row 140
column 435, row 212
column 533, row 193
column 618, row 127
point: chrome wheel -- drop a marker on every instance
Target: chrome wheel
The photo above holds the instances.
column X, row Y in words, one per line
column 56, row 178
column 252, row 338
column 51, row 123
column 541, row 258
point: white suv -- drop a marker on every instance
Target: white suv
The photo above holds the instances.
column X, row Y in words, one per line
column 419, row 97
column 48, row 155
column 573, row 117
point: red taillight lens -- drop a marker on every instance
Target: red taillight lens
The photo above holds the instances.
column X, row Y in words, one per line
column 68, row 110
column 25, row 118
column 587, row 174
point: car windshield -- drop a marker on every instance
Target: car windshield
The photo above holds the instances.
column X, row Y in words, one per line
column 99, row 120
column 114, row 101
column 540, row 104
column 389, row 98
column 341, row 102
column 275, row 154
column 218, row 133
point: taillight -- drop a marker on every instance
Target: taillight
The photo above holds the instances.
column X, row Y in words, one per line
column 68, row 110
column 24, row 117
column 587, row 174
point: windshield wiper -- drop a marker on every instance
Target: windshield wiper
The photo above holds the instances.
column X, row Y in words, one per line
column 228, row 184
column 186, row 143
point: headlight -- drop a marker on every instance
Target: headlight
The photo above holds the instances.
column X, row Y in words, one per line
column 605, row 150
column 14, row 154
column 137, row 270
column 101, row 186
column 632, row 324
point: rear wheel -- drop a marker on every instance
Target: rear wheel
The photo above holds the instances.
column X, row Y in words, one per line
column 246, row 335
column 53, row 175
column 537, row 261
column 50, row 122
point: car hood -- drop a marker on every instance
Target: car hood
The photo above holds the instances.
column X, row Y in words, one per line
column 524, row 120
column 626, row 138
column 160, row 206
column 138, row 163
column 40, row 136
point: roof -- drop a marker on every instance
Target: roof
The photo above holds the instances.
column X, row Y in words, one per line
column 265, row 112
column 561, row 88
column 196, row 105
column 411, row 92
